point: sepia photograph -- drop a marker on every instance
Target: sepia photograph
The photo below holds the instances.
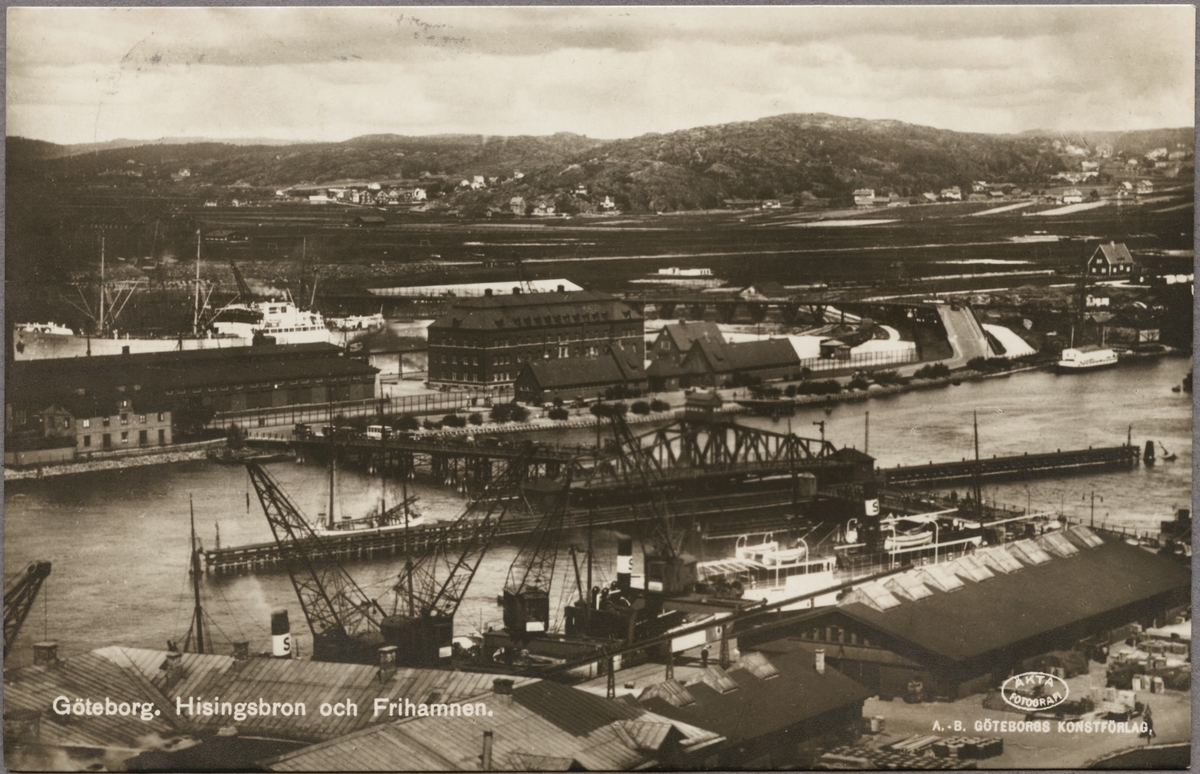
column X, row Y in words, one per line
column 598, row 388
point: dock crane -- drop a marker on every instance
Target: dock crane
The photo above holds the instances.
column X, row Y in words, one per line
column 430, row 588
column 345, row 622
column 526, row 598
column 19, row 595
column 667, row 570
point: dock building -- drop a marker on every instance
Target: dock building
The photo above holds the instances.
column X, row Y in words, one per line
column 771, row 707
column 483, row 343
column 960, row 628
column 124, row 401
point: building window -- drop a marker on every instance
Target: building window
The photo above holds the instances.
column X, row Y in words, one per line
column 87, row 441
column 124, row 419
column 161, row 417
column 66, row 422
column 87, row 423
column 106, row 421
column 141, row 419
column 143, row 437
column 124, row 436
column 162, row 437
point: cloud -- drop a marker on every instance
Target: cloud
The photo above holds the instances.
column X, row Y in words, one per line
column 79, row 74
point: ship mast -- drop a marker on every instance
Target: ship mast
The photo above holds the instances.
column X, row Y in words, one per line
column 198, row 611
column 100, row 329
column 196, row 302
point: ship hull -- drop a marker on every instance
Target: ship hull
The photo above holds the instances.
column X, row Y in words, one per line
column 34, row 345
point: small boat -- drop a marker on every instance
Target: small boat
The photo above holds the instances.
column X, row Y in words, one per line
column 769, row 407
column 229, row 456
column 1087, row 358
column 1166, row 455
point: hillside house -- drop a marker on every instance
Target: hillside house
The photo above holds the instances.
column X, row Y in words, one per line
column 954, row 193
column 1145, row 187
column 771, row 204
column 1111, row 260
column 1072, row 196
column 864, row 197
column 477, row 182
column 517, row 205
column 608, row 205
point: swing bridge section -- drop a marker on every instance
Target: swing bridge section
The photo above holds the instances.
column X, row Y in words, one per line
column 713, row 471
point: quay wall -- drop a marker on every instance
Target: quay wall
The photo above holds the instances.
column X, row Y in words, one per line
column 125, row 458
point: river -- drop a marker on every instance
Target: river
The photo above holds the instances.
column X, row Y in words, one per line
column 118, row 540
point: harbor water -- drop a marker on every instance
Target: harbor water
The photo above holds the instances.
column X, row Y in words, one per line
column 118, row 540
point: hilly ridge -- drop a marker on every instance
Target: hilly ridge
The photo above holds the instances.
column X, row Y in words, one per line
column 785, row 157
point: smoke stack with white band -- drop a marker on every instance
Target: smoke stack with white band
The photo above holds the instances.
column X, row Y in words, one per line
column 281, row 634
column 624, row 562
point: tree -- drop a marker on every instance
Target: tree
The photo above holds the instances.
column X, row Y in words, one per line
column 235, row 436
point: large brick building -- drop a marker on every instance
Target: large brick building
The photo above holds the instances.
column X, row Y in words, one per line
column 485, row 342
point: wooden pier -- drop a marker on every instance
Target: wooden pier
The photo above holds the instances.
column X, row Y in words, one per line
column 757, row 507
column 1016, row 467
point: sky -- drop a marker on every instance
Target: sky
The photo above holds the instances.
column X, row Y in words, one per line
column 78, row 75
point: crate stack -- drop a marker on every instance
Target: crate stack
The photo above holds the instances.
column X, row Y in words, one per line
column 887, row 758
column 969, row 747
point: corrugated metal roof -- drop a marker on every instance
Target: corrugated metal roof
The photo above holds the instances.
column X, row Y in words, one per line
column 763, row 706
column 1037, row 599
column 530, row 311
column 529, row 762
column 642, row 735
column 93, row 677
column 577, row 712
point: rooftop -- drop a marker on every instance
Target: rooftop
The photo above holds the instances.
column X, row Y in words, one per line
column 1054, row 587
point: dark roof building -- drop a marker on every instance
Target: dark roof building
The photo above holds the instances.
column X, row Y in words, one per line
column 1111, row 259
column 675, row 339
column 484, row 342
column 769, row 706
column 538, row 726
column 223, row 380
column 957, row 628
column 579, row 377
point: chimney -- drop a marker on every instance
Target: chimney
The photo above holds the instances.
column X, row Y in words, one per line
column 487, row 292
column 820, row 661
column 241, row 651
column 45, row 654
column 487, row 751
column 174, row 668
column 281, row 634
column 624, row 561
column 502, row 688
column 387, row 662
